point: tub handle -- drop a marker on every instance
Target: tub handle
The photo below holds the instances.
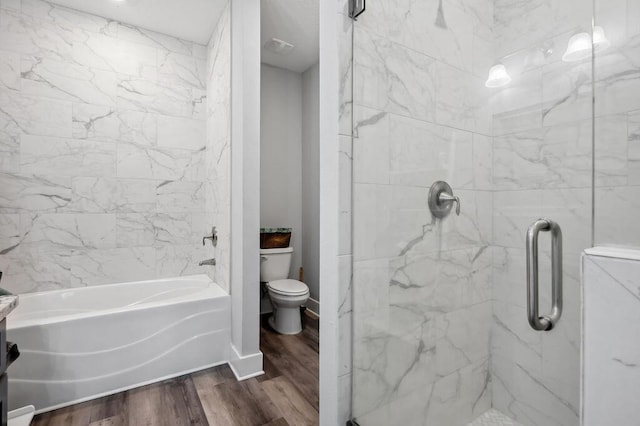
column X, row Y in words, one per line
column 213, row 237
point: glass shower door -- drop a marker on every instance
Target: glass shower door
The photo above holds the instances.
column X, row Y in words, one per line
column 495, row 98
column 617, row 124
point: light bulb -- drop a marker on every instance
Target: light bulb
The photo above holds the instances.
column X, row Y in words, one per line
column 498, row 76
column 600, row 41
column 578, row 48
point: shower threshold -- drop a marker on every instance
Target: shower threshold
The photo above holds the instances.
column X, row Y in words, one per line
column 489, row 418
column 494, row 418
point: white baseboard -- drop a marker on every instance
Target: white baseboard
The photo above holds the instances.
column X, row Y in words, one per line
column 245, row 367
column 314, row 306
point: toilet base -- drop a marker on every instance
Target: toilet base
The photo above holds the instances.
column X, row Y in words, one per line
column 286, row 320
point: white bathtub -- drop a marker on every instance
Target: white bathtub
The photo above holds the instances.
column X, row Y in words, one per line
column 84, row 343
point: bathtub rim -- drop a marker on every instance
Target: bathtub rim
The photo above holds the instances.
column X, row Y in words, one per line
column 210, row 291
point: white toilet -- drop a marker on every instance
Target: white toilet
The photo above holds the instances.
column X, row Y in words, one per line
column 286, row 295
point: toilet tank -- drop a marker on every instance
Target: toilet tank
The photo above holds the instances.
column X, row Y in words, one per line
column 275, row 263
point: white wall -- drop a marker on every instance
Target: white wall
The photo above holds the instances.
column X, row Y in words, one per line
column 311, row 181
column 246, row 358
column 333, row 392
column 281, row 155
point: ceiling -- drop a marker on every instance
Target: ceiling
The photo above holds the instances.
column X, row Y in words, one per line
column 192, row 20
column 293, row 21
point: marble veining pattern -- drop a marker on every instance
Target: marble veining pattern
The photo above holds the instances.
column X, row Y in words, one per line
column 217, row 155
column 542, row 167
column 7, row 304
column 440, row 332
column 493, row 418
column 617, row 108
column 113, row 149
column 421, row 287
column 611, row 364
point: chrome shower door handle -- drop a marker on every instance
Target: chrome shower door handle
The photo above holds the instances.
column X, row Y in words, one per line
column 536, row 321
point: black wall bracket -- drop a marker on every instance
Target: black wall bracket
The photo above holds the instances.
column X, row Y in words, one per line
column 356, row 8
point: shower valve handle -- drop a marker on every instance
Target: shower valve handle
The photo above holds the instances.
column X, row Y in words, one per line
column 213, row 237
column 446, row 197
column 441, row 200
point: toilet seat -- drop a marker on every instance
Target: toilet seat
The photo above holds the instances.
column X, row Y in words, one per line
column 288, row 287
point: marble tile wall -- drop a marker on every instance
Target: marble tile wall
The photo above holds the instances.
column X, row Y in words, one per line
column 440, row 331
column 421, row 286
column 218, row 149
column 617, row 107
column 542, row 163
column 611, row 352
column 104, row 156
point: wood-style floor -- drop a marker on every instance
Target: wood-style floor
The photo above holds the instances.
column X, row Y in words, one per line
column 286, row 395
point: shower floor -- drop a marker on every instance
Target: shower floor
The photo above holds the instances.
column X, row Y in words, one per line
column 494, row 418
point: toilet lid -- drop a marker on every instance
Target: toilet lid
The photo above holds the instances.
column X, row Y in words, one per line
column 288, row 287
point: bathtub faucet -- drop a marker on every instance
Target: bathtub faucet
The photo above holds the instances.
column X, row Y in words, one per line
column 208, row 262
